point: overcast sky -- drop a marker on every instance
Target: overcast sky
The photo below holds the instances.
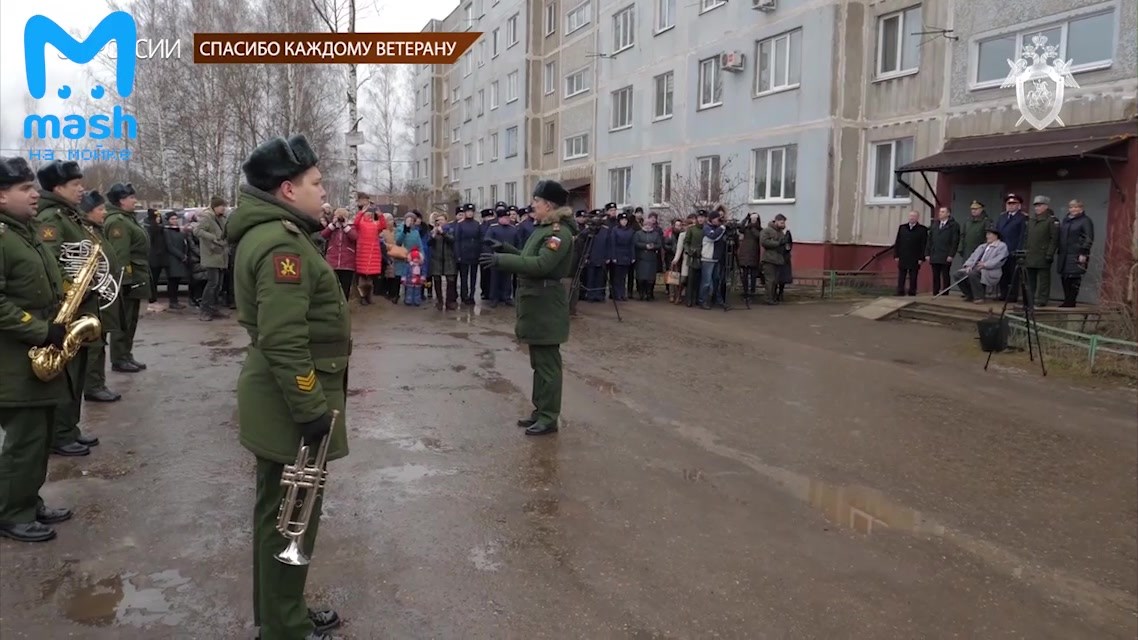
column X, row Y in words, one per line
column 81, row 16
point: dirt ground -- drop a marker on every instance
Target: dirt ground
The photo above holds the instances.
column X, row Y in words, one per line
column 776, row 473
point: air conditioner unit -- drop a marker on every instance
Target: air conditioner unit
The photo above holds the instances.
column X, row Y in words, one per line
column 731, row 61
column 764, row 5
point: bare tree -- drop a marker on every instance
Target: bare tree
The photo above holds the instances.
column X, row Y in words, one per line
column 706, row 186
column 387, row 97
column 340, row 15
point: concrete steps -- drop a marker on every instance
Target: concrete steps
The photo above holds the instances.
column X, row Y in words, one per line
column 952, row 318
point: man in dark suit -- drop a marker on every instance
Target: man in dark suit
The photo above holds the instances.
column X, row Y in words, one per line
column 909, row 252
column 944, row 238
column 1012, row 225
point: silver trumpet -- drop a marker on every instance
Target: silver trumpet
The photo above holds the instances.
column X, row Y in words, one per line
column 303, row 482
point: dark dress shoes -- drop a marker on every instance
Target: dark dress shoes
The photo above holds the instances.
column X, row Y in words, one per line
column 71, row 449
column 49, row 515
column 138, row 364
column 539, row 429
column 89, row 441
column 324, row 620
column 102, row 395
column 27, row 532
column 125, row 367
column 526, row 423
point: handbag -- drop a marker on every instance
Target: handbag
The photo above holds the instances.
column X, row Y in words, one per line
column 672, row 278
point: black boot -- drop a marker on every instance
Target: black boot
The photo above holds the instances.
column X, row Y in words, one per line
column 540, row 429
column 101, row 394
column 48, row 515
column 71, row 450
column 87, row 441
column 136, row 363
column 27, row 532
column 126, row 366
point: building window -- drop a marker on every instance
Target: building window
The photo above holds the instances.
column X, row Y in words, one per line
column 664, row 96
column 467, row 155
column 624, row 29
column 481, row 194
column 482, row 53
column 621, row 109
column 456, row 133
column 446, row 128
column 710, row 90
column 480, row 151
column 620, row 184
column 550, row 18
column 549, row 140
column 493, row 193
column 479, row 8
column 577, row 146
column 576, row 83
column 467, row 110
column 512, row 87
column 467, row 194
column 446, row 90
column 773, row 173
column 898, row 47
column 578, row 17
column 494, row 40
column 481, row 101
column 550, row 78
column 665, row 15
column 1087, row 41
column 493, row 146
column 661, row 183
column 511, row 192
column 454, row 94
column 779, row 59
column 470, row 15
column 512, row 31
column 494, row 95
column 511, row 142
column 467, row 64
column 709, row 186
column 884, row 159
column 708, row 5
column 427, row 131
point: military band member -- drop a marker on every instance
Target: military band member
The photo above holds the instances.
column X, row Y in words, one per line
column 94, row 210
column 131, row 246
column 59, row 222
column 289, row 301
column 543, row 266
column 29, row 299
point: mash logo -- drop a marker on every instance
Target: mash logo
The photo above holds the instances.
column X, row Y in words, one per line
column 1040, row 85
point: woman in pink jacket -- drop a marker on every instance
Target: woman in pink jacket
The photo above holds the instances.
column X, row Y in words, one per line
column 369, row 225
column 340, row 249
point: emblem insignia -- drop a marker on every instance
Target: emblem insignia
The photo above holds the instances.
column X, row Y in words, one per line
column 1040, row 84
column 47, row 234
column 116, row 232
column 553, row 243
column 306, row 383
column 286, row 267
column 290, row 226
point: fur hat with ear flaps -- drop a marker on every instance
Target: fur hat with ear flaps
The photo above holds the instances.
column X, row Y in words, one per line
column 91, row 201
column 118, row 191
column 58, row 173
column 278, row 160
column 552, row 191
column 14, row 171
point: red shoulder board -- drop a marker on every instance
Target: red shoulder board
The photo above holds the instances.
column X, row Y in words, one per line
column 286, row 267
column 553, row 243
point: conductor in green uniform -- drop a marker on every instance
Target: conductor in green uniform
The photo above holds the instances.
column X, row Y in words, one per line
column 30, row 293
column 290, row 302
column 131, row 246
column 543, row 266
column 59, row 223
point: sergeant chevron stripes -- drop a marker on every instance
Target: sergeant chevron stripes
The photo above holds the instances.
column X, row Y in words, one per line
column 306, row 383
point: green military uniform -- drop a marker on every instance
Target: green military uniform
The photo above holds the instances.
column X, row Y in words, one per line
column 289, row 301
column 31, row 288
column 1041, row 245
column 693, row 249
column 130, row 244
column 543, row 306
column 96, row 375
column 973, row 232
column 58, row 222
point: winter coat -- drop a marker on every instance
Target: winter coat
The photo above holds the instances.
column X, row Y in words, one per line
column 1076, row 237
column 408, row 238
column 942, row 243
column 1042, row 240
column 624, row 245
column 910, row 244
column 749, row 245
column 443, row 262
column 193, row 259
column 602, row 250
column 785, row 270
column 993, row 268
column 369, row 259
column 176, row 244
column 211, row 241
column 340, row 245
column 1012, row 229
column 772, row 241
column 157, row 232
column 648, row 259
column 974, row 233
column 467, row 241
column 525, row 230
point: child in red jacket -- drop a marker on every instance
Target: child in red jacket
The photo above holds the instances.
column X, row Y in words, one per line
column 413, row 281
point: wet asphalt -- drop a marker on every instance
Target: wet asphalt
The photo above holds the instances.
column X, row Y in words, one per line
column 773, row 473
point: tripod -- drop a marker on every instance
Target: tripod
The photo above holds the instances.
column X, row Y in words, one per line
column 575, row 287
column 732, row 275
column 1019, row 279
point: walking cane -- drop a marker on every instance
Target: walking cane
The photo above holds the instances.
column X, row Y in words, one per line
column 952, row 286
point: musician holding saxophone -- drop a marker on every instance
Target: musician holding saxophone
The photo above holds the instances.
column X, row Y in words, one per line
column 31, row 292
column 291, row 391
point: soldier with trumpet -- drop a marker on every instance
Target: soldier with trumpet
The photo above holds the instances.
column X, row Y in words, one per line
column 32, row 290
column 291, row 390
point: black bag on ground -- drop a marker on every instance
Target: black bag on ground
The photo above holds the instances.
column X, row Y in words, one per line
column 993, row 333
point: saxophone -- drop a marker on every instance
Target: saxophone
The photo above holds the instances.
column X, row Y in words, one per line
column 48, row 362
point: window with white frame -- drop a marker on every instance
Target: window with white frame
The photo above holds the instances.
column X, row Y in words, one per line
column 898, row 46
column 482, row 53
column 620, row 185
column 467, row 155
column 469, row 9
column 480, row 151
column 511, row 142
column 621, row 109
column 495, row 38
column 446, row 90
column 576, row 146
column 708, row 179
column 493, row 146
column 467, row 110
column 550, row 78
column 576, row 83
column 418, row 98
column 665, row 15
column 664, row 99
column 779, row 66
column 494, row 95
column 455, row 94
column 481, row 194
column 512, row 86
column 549, row 139
column 512, row 31
column 624, row 29
column 550, row 18
column 446, row 129
column 467, row 64
column 578, row 16
column 466, row 194
column 456, row 133
column 479, row 8
column 481, row 101
column 1086, row 40
column 773, row 173
column 710, row 89
column 511, row 192
column 661, row 183
column 884, row 159
column 427, row 131
column 708, row 5
column 493, row 193
column 415, row 171
column 426, row 95
column 426, row 170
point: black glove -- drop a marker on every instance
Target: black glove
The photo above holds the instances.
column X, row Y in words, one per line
column 313, row 432
column 495, row 245
column 489, row 260
column 55, row 335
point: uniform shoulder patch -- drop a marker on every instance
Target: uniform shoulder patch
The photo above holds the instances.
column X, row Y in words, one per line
column 290, row 226
column 26, row 318
column 115, row 232
column 48, row 233
column 307, row 382
column 556, row 226
column 286, row 268
column 553, row 243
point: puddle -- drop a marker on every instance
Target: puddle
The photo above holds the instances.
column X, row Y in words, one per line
column 125, row 599
column 500, row 385
column 604, row 386
column 482, row 558
column 421, row 444
column 412, row 472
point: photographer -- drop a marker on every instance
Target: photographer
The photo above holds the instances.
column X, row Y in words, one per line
column 340, row 237
column 712, row 259
column 748, row 253
column 443, row 264
column 601, row 256
column 649, row 245
column 368, row 226
column 773, row 240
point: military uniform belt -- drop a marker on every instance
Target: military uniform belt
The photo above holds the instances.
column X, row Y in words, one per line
column 540, row 283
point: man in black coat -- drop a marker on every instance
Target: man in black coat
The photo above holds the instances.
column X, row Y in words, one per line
column 944, row 238
column 909, row 252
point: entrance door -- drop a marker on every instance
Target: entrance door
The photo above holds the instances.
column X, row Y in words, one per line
column 1095, row 195
column 992, row 195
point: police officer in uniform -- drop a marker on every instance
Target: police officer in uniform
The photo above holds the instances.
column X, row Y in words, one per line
column 289, row 301
column 542, row 267
column 29, row 299
column 131, row 246
column 58, row 222
column 488, row 219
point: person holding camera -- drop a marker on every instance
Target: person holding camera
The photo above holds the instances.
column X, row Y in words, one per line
column 443, row 265
column 368, row 226
column 340, row 237
column 748, row 254
column 774, row 239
